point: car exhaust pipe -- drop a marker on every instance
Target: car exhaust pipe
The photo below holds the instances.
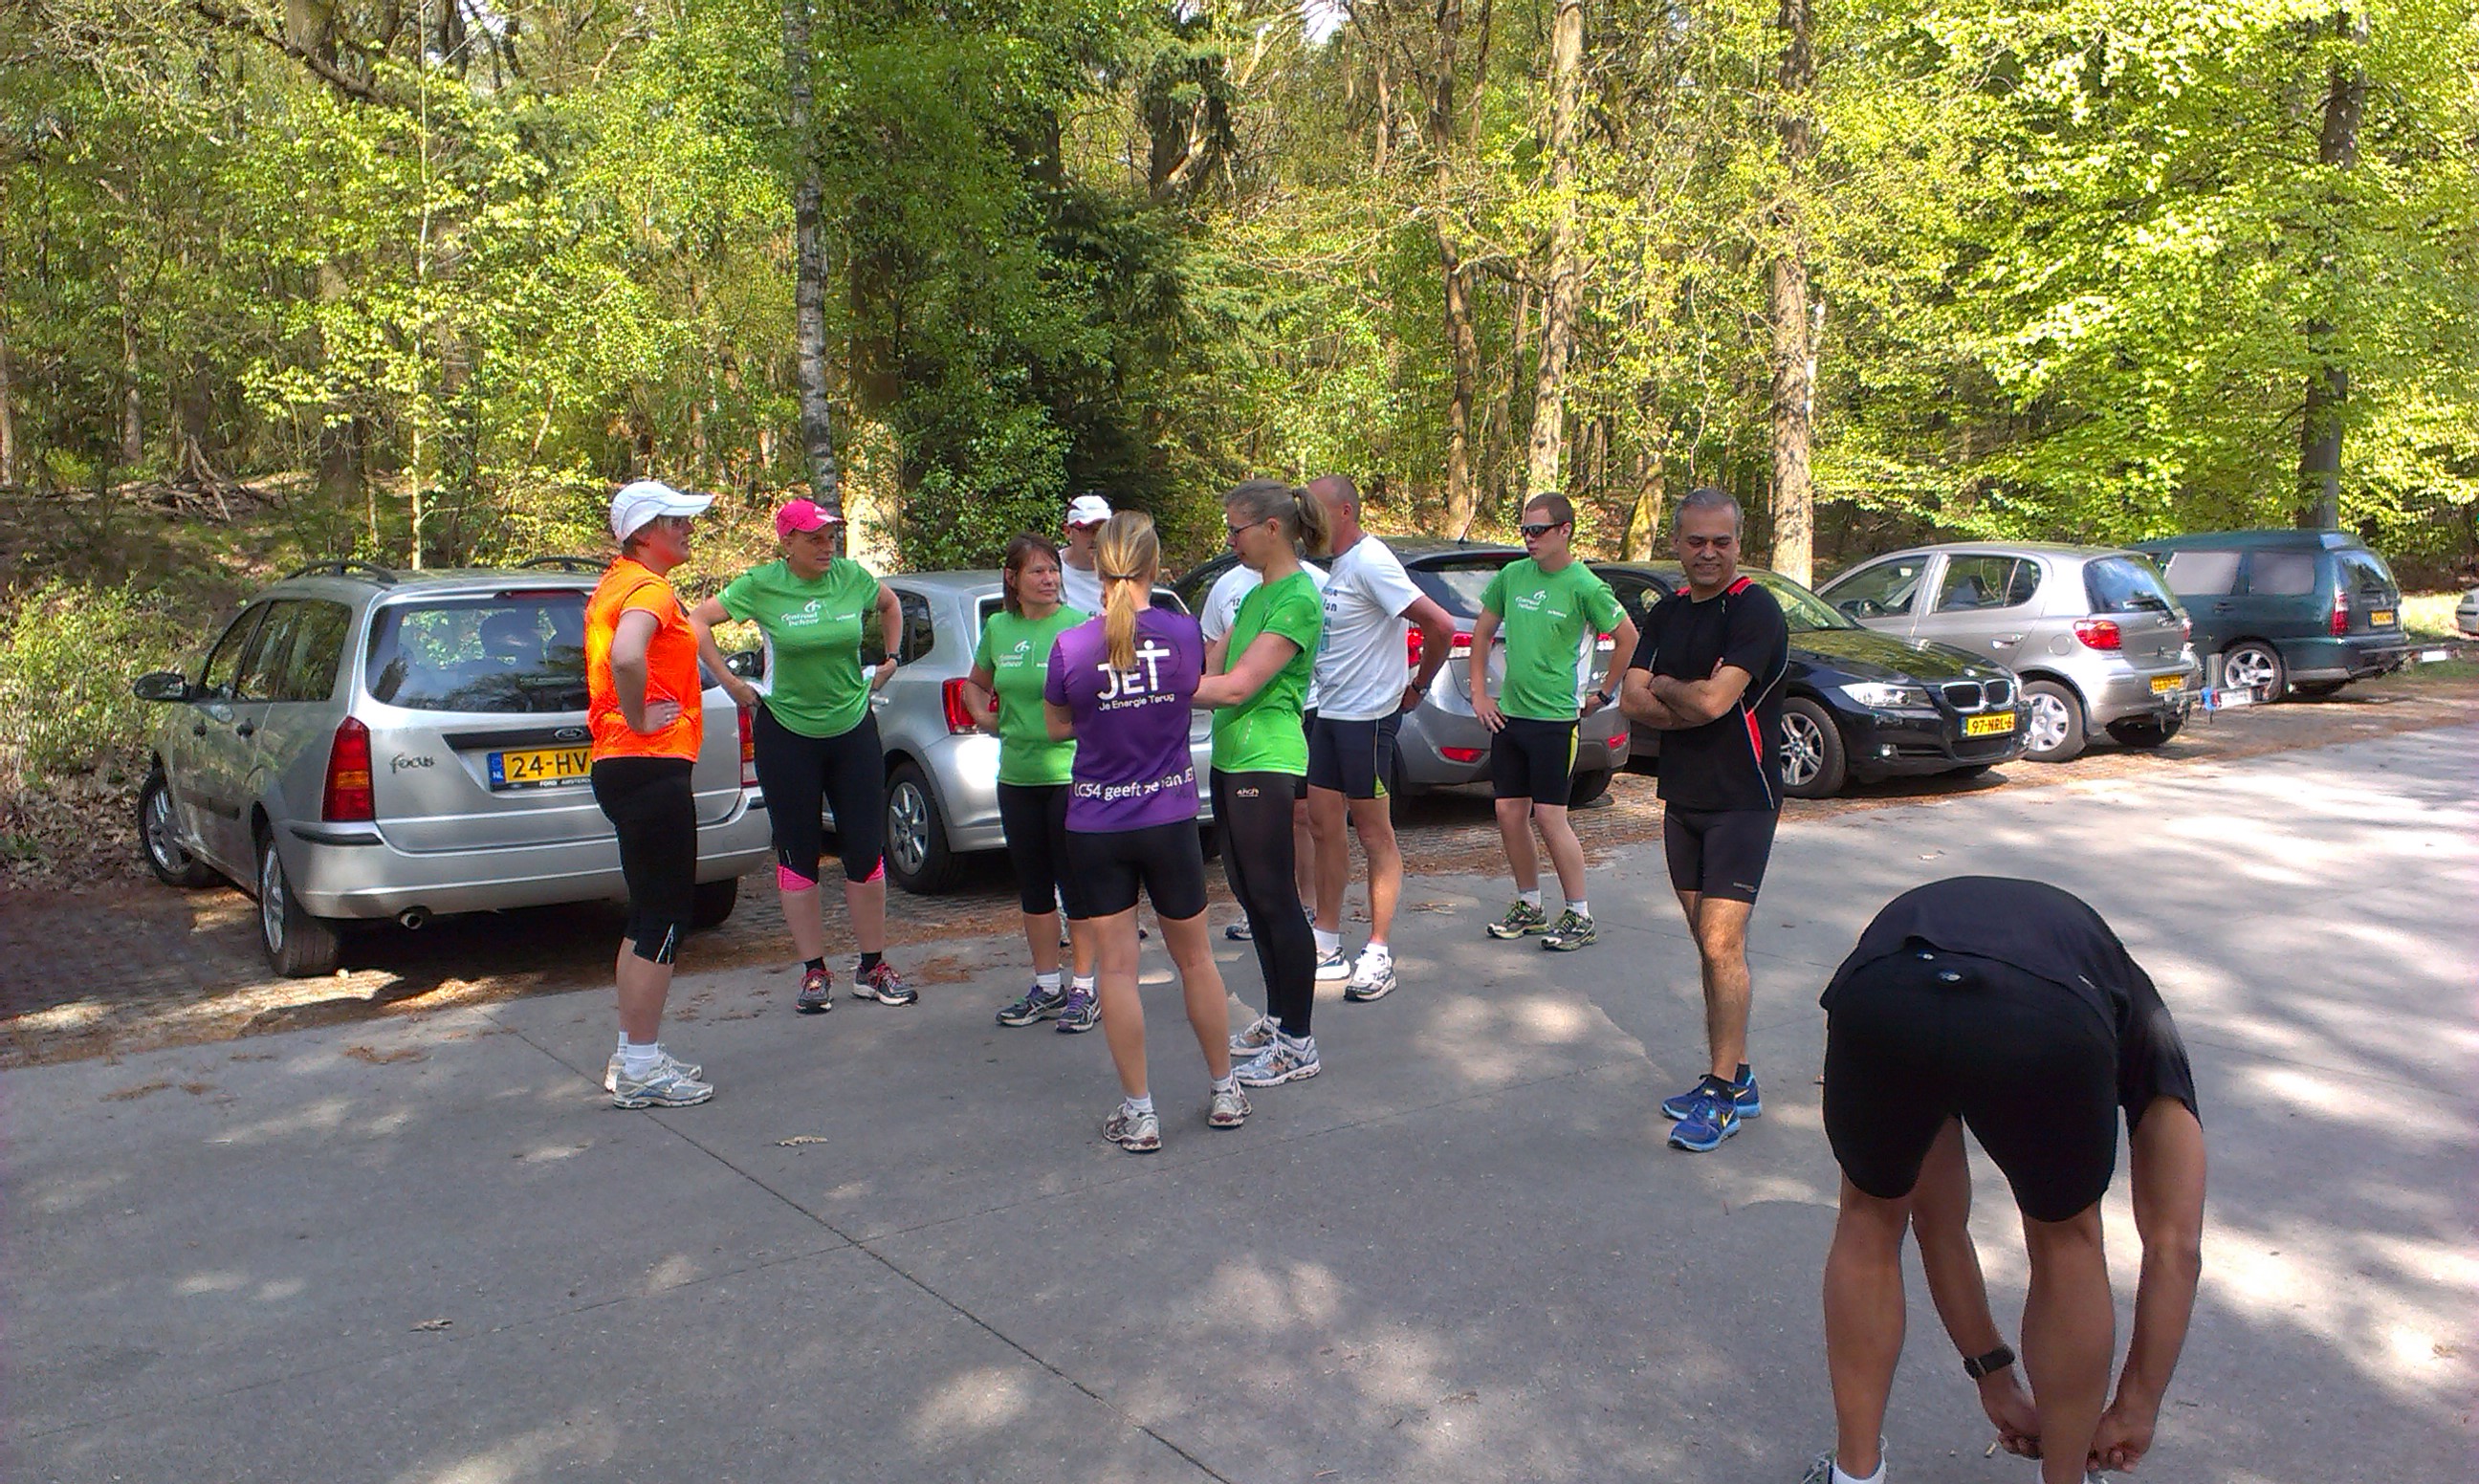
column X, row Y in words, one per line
column 412, row 918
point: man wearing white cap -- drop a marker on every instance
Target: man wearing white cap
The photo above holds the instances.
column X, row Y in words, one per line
column 1079, row 582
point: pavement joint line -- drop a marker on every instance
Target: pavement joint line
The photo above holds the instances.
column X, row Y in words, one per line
column 863, row 1246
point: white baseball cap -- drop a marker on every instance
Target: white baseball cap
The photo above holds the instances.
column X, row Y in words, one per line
column 1087, row 510
column 647, row 499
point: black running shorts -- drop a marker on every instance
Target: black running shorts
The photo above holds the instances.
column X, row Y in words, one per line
column 1718, row 853
column 804, row 775
column 1034, row 816
column 1166, row 862
column 1922, row 1036
column 1352, row 758
column 654, row 811
column 1533, row 760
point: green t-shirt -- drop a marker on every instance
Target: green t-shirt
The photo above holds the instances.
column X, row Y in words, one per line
column 1265, row 736
column 1549, row 618
column 811, row 631
column 1016, row 652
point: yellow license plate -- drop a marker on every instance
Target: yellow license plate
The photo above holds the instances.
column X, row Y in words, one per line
column 2164, row 685
column 2381, row 616
column 1995, row 725
column 536, row 766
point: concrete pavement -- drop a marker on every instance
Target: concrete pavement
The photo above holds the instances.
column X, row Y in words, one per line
column 895, row 1246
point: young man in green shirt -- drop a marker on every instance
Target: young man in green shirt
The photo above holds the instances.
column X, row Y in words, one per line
column 1552, row 609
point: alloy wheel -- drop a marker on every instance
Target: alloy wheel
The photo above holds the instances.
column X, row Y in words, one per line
column 908, row 820
column 2248, row 667
column 2047, row 727
column 170, row 858
column 1802, row 751
column 270, row 899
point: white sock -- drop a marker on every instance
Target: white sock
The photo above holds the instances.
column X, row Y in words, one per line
column 1530, row 898
column 637, row 1059
column 1328, row 944
column 622, row 1049
column 1084, row 982
column 1840, row 1477
column 1227, row 1083
column 1580, row 907
column 1048, row 980
column 1377, row 952
column 1295, row 1043
column 1139, row 1105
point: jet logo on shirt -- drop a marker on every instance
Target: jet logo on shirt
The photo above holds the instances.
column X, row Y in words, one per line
column 1122, row 684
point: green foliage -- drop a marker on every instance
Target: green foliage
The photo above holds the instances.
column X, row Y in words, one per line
column 67, row 654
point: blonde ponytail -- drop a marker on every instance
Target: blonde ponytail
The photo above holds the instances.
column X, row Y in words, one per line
column 1313, row 523
column 1127, row 554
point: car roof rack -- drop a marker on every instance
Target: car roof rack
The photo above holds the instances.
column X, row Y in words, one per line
column 345, row 566
column 563, row 564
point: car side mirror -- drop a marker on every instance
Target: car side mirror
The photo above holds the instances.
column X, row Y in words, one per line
column 747, row 664
column 161, row 685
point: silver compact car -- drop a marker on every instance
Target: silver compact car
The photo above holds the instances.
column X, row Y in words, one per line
column 2094, row 634
column 364, row 744
column 942, row 773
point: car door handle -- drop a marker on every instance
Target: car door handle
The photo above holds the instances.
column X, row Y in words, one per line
column 2004, row 641
column 2223, row 608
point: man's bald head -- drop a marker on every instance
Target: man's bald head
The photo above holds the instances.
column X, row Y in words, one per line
column 1341, row 500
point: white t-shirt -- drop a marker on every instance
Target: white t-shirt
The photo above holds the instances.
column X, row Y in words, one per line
column 1080, row 587
column 1222, row 610
column 1362, row 664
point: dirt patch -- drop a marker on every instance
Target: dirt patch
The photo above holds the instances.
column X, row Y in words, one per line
column 125, row 965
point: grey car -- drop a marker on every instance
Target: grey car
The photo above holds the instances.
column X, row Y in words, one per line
column 942, row 771
column 1441, row 743
column 2096, row 636
column 366, row 744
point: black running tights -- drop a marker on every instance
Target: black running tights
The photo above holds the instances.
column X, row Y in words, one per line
column 1253, row 812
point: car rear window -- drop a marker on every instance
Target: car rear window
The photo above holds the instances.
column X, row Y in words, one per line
column 2125, row 584
column 1457, row 586
column 1803, row 611
column 2202, row 574
column 2365, row 572
column 511, row 651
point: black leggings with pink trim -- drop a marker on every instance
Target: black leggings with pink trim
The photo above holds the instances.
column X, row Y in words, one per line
column 802, row 775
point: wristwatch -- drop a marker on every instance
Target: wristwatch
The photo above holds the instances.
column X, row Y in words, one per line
column 1977, row 1367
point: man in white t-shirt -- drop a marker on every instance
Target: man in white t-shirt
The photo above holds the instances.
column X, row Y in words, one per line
column 1221, row 610
column 1079, row 582
column 1365, row 683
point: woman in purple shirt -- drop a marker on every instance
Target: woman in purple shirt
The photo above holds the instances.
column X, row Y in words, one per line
column 1122, row 685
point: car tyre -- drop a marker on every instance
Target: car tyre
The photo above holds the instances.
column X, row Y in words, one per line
column 298, row 945
column 2317, row 688
column 2254, row 664
column 1587, row 787
column 918, row 853
column 1814, row 763
column 2145, row 732
column 714, row 903
column 172, row 865
column 2055, row 724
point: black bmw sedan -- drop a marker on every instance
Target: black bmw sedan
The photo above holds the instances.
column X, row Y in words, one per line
column 1857, row 704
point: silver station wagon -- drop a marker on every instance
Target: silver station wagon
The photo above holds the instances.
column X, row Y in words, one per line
column 2096, row 636
column 367, row 744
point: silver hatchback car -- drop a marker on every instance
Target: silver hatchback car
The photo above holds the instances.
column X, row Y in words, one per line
column 2094, row 634
column 364, row 744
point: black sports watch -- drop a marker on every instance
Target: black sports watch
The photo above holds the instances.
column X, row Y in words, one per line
column 1977, row 1367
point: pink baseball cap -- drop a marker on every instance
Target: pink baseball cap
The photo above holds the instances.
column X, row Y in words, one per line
column 803, row 515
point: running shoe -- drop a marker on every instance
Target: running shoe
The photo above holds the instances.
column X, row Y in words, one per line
column 668, row 1086
column 1742, row 1093
column 1285, row 1060
column 1259, row 1035
column 611, row 1071
column 1713, row 1119
column 1137, row 1132
column 1521, row 917
column 1079, row 1011
column 1372, row 979
column 817, row 995
column 1228, row 1109
column 1572, row 932
column 884, row 986
column 1335, row 967
column 1036, row 1004
column 1239, row 932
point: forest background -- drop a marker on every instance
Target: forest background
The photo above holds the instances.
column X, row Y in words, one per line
column 418, row 281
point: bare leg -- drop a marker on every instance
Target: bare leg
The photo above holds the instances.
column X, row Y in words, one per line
column 1514, row 831
column 1566, row 851
column 802, row 915
column 1941, row 1220
column 1863, row 1321
column 644, row 985
column 1329, row 830
column 1200, row 982
column 1374, row 819
column 1123, row 1013
column 1042, row 935
column 1080, row 951
column 866, row 901
column 2069, row 1333
column 1722, row 943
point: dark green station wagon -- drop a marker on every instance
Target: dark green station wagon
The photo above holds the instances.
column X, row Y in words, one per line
column 2286, row 610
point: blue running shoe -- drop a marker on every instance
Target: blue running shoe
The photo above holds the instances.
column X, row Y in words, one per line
column 1713, row 1119
column 1743, row 1093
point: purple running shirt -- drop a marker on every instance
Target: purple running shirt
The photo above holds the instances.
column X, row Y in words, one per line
column 1132, row 766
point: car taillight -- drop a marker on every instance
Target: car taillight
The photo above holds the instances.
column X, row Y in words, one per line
column 747, row 719
column 960, row 711
column 2099, row 634
column 1411, row 647
column 1461, row 754
column 1461, row 648
column 2341, row 612
column 347, row 799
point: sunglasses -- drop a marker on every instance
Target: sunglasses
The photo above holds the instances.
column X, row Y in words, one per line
column 1244, row 525
column 1534, row 528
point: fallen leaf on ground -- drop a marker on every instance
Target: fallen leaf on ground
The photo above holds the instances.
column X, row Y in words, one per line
column 377, row 1057
column 434, row 1324
column 1431, row 906
column 800, row 1139
column 131, row 1094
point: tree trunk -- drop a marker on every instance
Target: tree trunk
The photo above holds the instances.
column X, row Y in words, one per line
column 2328, row 385
column 1794, row 494
column 1652, row 502
column 810, row 268
column 133, row 399
column 1559, row 304
column 1463, row 347
column 7, row 413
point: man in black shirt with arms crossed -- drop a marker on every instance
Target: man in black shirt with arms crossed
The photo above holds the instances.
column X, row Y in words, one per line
column 1708, row 673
